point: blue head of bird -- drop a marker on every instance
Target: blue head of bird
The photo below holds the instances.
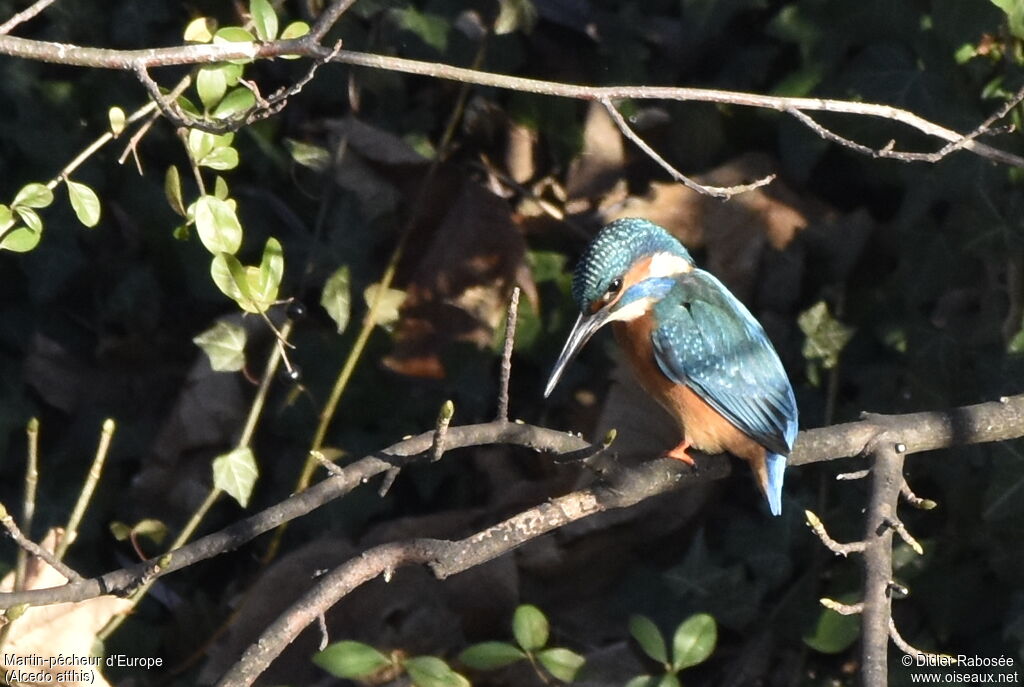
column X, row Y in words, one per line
column 626, row 269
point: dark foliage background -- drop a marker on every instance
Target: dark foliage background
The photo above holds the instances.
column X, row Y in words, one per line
column 921, row 268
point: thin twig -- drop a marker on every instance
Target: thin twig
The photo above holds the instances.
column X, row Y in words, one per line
column 327, row 464
column 914, row 500
column 849, row 476
column 506, row 355
column 910, row 650
column 444, row 418
column 716, row 191
column 93, row 478
column 24, row 15
column 29, row 503
column 842, row 608
column 831, row 544
column 901, row 530
column 35, row 549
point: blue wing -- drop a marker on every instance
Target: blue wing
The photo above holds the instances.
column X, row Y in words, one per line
column 707, row 340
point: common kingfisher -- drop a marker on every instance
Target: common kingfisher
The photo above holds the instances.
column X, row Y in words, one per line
column 693, row 346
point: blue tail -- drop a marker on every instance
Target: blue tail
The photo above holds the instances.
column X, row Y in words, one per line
column 776, row 465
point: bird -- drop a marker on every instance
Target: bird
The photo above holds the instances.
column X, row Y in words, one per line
column 693, row 346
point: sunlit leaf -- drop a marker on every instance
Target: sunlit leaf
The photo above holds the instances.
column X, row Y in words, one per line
column 217, row 225
column 117, row 120
column 491, row 655
column 269, row 274
column 84, row 202
column 826, row 336
column 120, row 530
column 562, row 663
column 233, row 35
column 336, row 297
column 387, row 311
column 20, row 240
column 648, row 636
column 230, row 277
column 235, row 473
column 264, row 19
column 151, row 528
column 211, row 84
column 694, row 641
column 224, row 345
column 515, row 15
column 316, row 158
column 220, row 188
column 427, row 671
column 238, row 100
column 6, row 217
column 220, row 159
column 200, row 30
column 349, row 659
column 530, row 627
column 33, row 196
column 30, row 217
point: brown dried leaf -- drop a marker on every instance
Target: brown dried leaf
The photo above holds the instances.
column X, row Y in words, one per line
column 67, row 629
column 460, row 288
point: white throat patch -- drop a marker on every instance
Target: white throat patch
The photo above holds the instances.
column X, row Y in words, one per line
column 667, row 265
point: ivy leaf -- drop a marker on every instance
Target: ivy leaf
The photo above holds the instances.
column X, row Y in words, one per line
column 84, row 202
column 826, row 336
column 235, row 473
column 217, row 224
column 562, row 663
column 20, row 240
column 391, row 301
column 264, row 19
column 172, row 190
column 349, row 659
column 224, row 345
column 694, row 641
column 427, row 671
column 648, row 636
column 33, row 195
column 530, row 627
column 491, row 655
column 336, row 297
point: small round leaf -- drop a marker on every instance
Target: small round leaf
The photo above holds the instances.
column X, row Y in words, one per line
column 218, row 225
column 428, row 671
column 694, row 641
column 264, row 19
column 20, row 240
column 200, row 30
column 350, row 659
column 561, row 663
column 530, row 627
column 648, row 636
column 235, row 473
column 84, row 202
column 336, row 297
column 491, row 655
column 172, row 190
column 117, row 120
column 238, row 100
column 220, row 159
column 33, row 196
column 211, row 84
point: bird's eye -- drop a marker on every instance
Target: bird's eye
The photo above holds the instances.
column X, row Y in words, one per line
column 614, row 287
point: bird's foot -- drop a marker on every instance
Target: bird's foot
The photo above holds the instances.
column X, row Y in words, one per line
column 680, row 453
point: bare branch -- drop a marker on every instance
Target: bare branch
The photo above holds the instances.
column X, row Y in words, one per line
column 850, row 476
column 506, row 355
column 910, row 650
column 444, row 418
column 841, row 608
column 24, row 15
column 914, row 500
column 831, row 544
column 897, row 525
column 716, row 191
column 34, row 549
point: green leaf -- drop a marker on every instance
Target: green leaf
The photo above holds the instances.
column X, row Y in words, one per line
column 530, row 627
column 231, row 278
column 31, row 218
column 152, row 529
column 490, row 655
column 1015, row 15
column 694, row 641
column 33, row 196
column 349, row 659
column 200, row 30
column 120, row 530
column 220, row 159
column 264, row 19
column 117, row 120
column 336, row 297
column 211, row 84
column 238, row 100
column 667, row 680
column 217, row 224
column 643, row 681
column 84, row 202
column 6, row 217
column 428, row 671
column 172, row 190
column 648, row 636
column 316, row 158
column 562, row 663
column 20, row 240
column 515, row 15
column 268, row 277
column 296, row 29
column 220, row 188
column 224, row 345
column 201, row 143
column 833, row 633
column 387, row 311
column 432, row 29
column 232, row 34
column 826, row 336
column 235, row 473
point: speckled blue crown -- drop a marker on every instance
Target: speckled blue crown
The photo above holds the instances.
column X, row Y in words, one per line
column 617, row 246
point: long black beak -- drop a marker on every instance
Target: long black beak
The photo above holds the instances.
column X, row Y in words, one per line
column 581, row 332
